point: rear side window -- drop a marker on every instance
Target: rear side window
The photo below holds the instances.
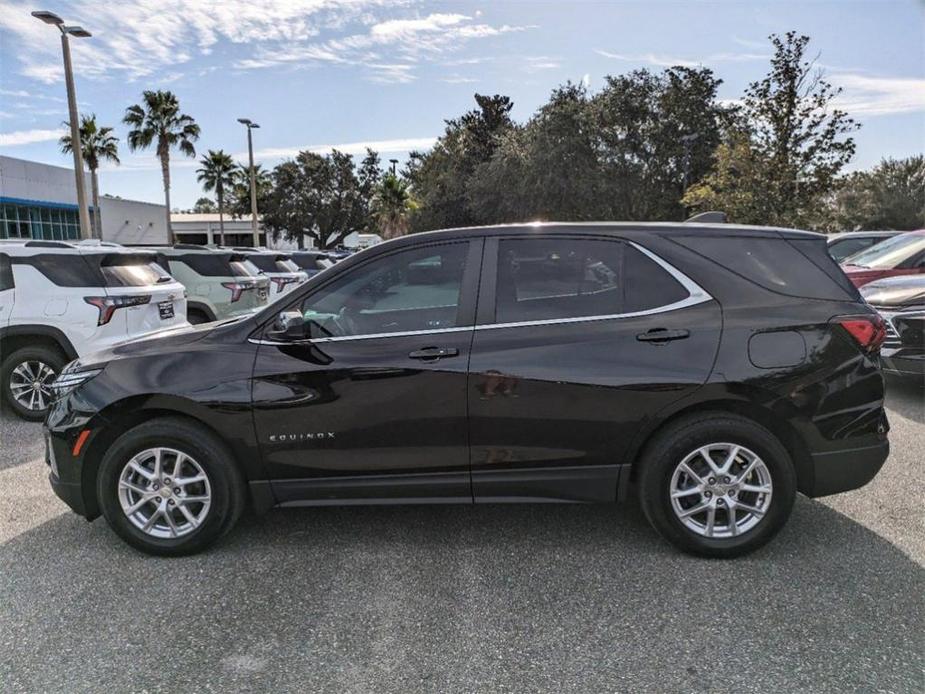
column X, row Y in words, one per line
column 800, row 268
column 205, row 264
column 6, row 273
column 273, row 263
column 64, row 269
column 132, row 271
column 550, row 279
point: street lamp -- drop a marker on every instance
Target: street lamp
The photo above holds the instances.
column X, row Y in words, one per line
column 81, row 33
column 250, row 125
column 394, row 163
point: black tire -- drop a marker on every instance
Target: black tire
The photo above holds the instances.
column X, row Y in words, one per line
column 679, row 439
column 214, row 457
column 197, row 317
column 40, row 354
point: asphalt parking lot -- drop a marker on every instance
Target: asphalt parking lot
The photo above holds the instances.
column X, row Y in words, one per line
column 462, row 599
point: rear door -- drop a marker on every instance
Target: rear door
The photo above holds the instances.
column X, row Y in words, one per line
column 579, row 341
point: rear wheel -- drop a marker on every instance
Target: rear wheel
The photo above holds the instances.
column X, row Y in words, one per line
column 196, row 317
column 717, row 485
column 170, row 487
column 26, row 377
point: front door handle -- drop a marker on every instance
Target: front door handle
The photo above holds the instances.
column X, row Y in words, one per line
column 662, row 335
column 434, row 353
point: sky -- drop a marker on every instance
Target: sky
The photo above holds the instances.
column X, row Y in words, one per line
column 317, row 74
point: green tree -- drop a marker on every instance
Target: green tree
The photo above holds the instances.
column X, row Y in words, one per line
column 217, row 173
column 797, row 142
column 392, row 206
column 97, row 144
column 158, row 121
column 369, row 176
column 889, row 196
column 439, row 178
column 315, row 195
column 239, row 194
column 204, row 206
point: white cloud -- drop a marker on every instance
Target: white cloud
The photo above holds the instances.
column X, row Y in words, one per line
column 356, row 148
column 28, row 137
column 661, row 60
column 866, row 95
column 137, row 39
column 458, row 79
column 533, row 63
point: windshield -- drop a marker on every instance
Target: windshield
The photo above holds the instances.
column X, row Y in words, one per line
column 888, row 254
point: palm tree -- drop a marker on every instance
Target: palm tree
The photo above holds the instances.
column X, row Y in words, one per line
column 217, row 173
column 392, row 206
column 96, row 144
column 158, row 121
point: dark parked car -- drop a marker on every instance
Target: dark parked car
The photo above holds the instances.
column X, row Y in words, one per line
column 718, row 370
column 899, row 255
column 312, row 262
column 901, row 301
column 850, row 242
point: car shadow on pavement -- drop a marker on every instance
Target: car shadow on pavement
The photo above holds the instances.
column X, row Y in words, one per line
column 907, row 398
column 457, row 598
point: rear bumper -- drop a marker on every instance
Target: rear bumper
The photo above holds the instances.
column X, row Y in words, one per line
column 841, row 471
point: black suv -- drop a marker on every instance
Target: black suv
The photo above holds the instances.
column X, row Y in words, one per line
column 718, row 369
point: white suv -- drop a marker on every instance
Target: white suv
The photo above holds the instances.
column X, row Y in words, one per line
column 62, row 300
column 284, row 274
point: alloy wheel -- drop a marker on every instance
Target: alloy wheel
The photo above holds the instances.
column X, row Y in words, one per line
column 165, row 493
column 30, row 384
column 721, row 490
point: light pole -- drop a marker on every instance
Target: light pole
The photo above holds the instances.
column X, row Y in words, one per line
column 250, row 125
column 79, row 32
column 394, row 163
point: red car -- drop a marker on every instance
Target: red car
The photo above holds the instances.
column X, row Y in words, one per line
column 899, row 255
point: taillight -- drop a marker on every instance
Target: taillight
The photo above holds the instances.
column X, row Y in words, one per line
column 107, row 305
column 237, row 288
column 281, row 282
column 868, row 331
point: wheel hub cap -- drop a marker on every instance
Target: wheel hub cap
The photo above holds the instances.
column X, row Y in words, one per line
column 164, row 492
column 720, row 490
column 30, row 385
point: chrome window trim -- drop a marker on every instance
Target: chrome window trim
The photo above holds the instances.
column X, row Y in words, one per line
column 696, row 295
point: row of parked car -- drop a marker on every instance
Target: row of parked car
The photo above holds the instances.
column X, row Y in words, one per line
column 889, row 269
column 61, row 300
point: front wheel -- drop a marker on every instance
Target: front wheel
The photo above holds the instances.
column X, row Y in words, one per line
column 717, row 485
column 26, row 377
column 170, row 487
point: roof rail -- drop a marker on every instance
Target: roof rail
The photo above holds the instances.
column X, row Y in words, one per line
column 712, row 217
column 48, row 244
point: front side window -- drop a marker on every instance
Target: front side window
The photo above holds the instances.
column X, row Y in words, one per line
column 551, row 279
column 412, row 290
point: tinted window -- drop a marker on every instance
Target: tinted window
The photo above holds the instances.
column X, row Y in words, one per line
column 799, row 268
column 842, row 248
column 273, row 263
column 6, row 272
column 64, row 270
column 416, row 289
column 244, row 268
column 206, row 264
column 548, row 279
column 128, row 271
column 647, row 284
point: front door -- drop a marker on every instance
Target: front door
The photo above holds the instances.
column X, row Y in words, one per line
column 585, row 340
column 371, row 401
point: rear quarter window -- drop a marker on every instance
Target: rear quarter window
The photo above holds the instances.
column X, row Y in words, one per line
column 798, row 268
column 64, row 269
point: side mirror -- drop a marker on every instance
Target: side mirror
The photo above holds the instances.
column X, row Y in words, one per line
column 289, row 325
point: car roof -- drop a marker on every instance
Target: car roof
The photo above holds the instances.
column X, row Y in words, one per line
column 24, row 247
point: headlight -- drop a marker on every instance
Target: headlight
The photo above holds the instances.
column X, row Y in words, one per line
column 67, row 381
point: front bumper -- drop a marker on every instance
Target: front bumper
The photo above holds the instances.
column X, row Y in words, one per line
column 842, row 471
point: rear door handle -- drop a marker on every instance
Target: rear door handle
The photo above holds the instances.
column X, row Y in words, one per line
column 659, row 335
column 434, row 353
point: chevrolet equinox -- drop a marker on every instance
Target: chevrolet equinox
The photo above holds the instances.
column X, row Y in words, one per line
column 715, row 369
